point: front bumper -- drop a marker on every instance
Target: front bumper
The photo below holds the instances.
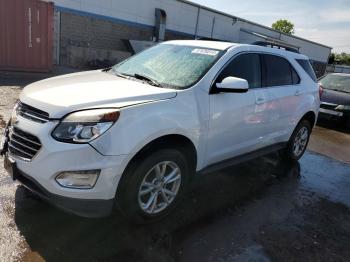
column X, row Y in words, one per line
column 81, row 207
column 55, row 157
column 332, row 113
column 330, row 110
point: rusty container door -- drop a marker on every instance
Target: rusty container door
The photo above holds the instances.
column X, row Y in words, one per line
column 26, row 35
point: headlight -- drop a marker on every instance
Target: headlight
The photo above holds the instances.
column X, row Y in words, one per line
column 84, row 126
column 342, row 107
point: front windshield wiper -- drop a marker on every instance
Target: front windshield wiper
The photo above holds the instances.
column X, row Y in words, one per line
column 140, row 77
column 121, row 74
column 148, row 79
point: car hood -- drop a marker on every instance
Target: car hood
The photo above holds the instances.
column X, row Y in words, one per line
column 61, row 95
column 335, row 97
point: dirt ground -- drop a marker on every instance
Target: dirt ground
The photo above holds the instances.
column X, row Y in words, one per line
column 263, row 210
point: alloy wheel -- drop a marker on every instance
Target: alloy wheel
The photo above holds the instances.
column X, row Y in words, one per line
column 159, row 187
column 300, row 141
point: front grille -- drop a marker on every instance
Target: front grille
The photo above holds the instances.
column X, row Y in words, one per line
column 328, row 106
column 22, row 144
column 32, row 113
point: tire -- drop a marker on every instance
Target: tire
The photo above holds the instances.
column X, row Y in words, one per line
column 142, row 181
column 346, row 121
column 299, row 140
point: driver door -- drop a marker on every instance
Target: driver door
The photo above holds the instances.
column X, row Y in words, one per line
column 236, row 123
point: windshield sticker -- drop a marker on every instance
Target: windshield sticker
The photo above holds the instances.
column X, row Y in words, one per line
column 205, row 52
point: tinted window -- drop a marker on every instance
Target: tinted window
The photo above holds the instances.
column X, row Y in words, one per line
column 305, row 64
column 278, row 71
column 246, row 66
column 295, row 76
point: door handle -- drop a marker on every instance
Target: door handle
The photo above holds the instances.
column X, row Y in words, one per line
column 260, row 100
column 297, row 92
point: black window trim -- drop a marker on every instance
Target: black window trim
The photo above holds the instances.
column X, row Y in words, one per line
column 213, row 89
column 298, row 61
column 262, row 68
column 291, row 69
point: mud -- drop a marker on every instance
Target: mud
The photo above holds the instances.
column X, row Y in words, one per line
column 263, row 210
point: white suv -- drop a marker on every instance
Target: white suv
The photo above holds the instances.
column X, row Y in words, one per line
column 133, row 135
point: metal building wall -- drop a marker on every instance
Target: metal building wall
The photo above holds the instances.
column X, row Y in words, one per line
column 183, row 19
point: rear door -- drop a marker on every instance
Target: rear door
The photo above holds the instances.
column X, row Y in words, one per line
column 236, row 119
column 282, row 83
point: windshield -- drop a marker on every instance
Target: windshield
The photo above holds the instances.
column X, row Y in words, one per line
column 169, row 65
column 336, row 82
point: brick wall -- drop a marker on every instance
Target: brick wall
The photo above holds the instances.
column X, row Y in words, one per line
column 81, row 34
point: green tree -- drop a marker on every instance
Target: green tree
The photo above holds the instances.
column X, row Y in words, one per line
column 339, row 59
column 331, row 59
column 284, row 26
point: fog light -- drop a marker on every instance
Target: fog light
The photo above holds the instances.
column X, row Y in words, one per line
column 78, row 179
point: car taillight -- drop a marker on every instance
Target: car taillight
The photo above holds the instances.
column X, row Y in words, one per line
column 320, row 90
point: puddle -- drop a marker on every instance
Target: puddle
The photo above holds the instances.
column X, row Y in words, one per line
column 236, row 213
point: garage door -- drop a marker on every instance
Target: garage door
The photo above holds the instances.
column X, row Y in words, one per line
column 26, row 35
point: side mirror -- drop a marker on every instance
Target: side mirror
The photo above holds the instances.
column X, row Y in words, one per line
column 233, row 85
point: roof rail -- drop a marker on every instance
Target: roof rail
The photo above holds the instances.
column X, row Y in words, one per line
column 275, row 45
column 209, row 39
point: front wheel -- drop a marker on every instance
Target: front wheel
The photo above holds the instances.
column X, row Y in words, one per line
column 153, row 185
column 299, row 140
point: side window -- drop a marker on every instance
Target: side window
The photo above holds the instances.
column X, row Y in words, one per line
column 278, row 71
column 295, row 76
column 305, row 64
column 246, row 66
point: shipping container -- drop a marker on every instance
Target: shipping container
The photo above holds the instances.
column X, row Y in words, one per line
column 26, row 35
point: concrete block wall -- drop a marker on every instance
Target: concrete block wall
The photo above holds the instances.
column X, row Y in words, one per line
column 83, row 38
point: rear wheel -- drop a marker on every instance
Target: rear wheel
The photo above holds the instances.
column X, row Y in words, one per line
column 346, row 121
column 299, row 140
column 153, row 185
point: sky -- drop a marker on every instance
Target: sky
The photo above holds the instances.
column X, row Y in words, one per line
column 323, row 21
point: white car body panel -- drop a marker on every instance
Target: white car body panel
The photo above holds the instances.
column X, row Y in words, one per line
column 68, row 93
column 55, row 157
column 220, row 126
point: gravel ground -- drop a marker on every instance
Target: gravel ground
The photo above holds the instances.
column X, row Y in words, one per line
column 12, row 244
column 264, row 210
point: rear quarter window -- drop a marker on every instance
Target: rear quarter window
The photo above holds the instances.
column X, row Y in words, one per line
column 305, row 64
column 278, row 71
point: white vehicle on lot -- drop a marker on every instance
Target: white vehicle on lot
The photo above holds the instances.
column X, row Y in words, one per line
column 133, row 135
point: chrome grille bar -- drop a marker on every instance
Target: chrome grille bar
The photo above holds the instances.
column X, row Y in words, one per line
column 26, row 139
column 16, row 148
column 22, row 144
column 32, row 113
column 28, row 147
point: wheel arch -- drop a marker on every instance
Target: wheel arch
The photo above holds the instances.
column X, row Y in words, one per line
column 309, row 116
column 180, row 142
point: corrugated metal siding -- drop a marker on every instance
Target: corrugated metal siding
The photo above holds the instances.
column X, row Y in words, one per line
column 26, row 35
column 182, row 17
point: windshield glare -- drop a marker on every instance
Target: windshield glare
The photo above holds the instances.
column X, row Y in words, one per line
column 336, row 82
column 170, row 65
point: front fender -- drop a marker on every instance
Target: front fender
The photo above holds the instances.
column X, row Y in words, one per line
column 141, row 124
